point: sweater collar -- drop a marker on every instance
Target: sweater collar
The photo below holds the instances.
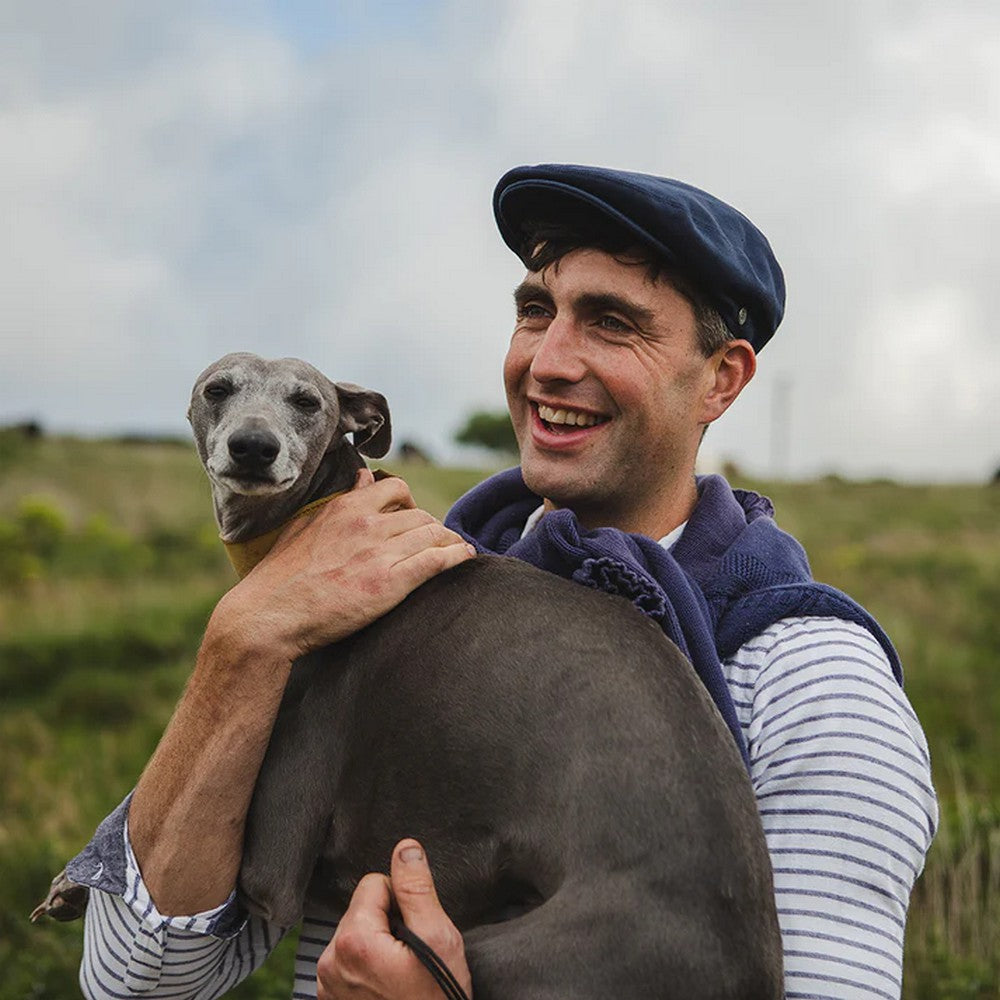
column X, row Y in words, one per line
column 493, row 514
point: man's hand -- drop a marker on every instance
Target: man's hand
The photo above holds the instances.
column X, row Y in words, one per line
column 365, row 962
column 332, row 574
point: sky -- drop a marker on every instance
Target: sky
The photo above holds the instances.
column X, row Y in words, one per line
column 313, row 179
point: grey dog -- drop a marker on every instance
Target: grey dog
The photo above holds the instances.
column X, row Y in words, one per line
column 593, row 829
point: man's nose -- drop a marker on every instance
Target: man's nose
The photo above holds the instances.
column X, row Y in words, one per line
column 559, row 356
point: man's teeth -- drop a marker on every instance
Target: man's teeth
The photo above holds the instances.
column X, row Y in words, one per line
column 572, row 417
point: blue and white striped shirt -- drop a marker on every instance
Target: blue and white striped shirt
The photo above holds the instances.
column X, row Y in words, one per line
column 842, row 775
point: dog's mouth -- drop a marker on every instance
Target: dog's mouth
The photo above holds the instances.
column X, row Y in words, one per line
column 252, row 484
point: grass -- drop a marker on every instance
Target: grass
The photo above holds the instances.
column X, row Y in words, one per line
column 109, row 567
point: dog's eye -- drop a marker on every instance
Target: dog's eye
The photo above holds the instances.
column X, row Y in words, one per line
column 304, row 401
column 217, row 390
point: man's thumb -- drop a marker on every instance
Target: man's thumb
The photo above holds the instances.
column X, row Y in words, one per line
column 413, row 887
column 421, row 911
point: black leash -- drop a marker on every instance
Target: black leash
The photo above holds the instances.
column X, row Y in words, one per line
column 428, row 957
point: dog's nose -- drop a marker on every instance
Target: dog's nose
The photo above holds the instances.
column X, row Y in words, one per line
column 253, row 448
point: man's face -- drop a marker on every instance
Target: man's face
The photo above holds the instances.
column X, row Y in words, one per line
column 607, row 390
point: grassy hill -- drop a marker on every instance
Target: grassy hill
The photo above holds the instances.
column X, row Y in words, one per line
column 109, row 568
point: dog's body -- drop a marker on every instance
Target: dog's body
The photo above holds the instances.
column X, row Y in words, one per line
column 592, row 827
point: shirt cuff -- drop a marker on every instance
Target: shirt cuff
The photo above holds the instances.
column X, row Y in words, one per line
column 108, row 864
column 223, row 921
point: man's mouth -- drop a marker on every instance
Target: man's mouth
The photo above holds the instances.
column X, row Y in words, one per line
column 564, row 420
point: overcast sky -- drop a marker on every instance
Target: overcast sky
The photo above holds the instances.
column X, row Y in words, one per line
column 181, row 179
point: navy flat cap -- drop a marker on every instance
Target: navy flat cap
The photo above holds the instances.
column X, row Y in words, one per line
column 708, row 241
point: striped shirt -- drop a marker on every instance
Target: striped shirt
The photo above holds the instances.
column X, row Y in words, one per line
column 841, row 771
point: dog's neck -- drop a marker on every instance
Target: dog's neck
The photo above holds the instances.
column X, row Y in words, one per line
column 249, row 525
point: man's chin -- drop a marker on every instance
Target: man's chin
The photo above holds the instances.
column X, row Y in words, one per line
column 536, row 477
column 557, row 486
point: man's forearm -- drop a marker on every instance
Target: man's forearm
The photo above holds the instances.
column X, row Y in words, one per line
column 187, row 815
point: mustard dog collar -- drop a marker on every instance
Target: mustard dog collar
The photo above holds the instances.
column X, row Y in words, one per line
column 245, row 555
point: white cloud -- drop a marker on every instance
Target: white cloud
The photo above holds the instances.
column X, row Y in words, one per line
column 197, row 179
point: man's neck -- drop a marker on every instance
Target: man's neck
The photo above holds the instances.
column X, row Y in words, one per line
column 672, row 509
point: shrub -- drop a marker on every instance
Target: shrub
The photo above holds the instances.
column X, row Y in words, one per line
column 42, row 525
column 489, row 430
column 17, row 564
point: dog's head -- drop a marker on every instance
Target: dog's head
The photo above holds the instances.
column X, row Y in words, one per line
column 263, row 426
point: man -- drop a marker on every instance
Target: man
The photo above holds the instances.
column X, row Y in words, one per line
column 638, row 324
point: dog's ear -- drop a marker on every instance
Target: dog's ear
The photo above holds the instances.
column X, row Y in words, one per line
column 365, row 414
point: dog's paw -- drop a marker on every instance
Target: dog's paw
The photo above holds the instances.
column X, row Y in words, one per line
column 67, row 900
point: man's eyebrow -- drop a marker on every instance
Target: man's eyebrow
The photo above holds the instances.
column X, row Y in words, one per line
column 528, row 290
column 595, row 302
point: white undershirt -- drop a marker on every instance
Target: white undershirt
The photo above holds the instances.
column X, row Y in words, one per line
column 668, row 541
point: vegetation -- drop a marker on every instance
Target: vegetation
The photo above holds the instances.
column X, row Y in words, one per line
column 109, row 568
column 489, row 430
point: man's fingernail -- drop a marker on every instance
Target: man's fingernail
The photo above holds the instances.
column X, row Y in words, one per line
column 472, row 549
column 410, row 855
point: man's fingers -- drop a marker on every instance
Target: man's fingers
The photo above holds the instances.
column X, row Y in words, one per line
column 362, row 949
column 405, row 532
column 399, row 522
column 358, row 511
column 417, row 535
column 369, row 905
column 391, row 493
column 421, row 566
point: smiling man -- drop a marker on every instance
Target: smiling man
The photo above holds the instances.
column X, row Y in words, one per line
column 638, row 323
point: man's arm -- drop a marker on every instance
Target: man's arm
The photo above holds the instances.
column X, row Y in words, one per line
column 324, row 580
column 842, row 775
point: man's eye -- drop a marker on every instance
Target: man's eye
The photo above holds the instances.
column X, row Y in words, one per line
column 613, row 324
column 531, row 310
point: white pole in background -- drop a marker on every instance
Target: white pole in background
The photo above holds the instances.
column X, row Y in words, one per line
column 781, row 425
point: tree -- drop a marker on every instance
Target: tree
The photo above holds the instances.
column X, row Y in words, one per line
column 489, row 430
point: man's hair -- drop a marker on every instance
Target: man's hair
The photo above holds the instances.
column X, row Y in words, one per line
column 546, row 243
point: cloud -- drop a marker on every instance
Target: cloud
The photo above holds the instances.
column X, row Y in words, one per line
column 207, row 177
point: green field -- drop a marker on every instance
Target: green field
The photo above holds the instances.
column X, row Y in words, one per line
column 109, row 568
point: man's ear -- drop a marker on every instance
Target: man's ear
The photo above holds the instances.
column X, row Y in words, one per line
column 734, row 364
column 365, row 414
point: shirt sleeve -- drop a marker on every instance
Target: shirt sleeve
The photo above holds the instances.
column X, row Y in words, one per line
column 131, row 950
column 841, row 771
